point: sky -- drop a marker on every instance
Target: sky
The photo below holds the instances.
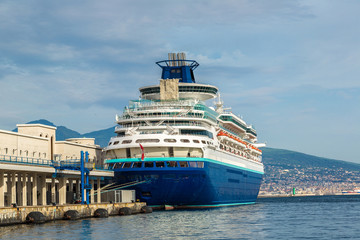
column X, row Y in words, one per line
column 289, row 68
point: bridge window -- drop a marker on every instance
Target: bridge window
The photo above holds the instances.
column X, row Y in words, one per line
column 118, row 165
column 184, row 140
column 149, row 164
column 116, row 142
column 171, row 140
column 126, row 141
column 193, row 164
column 160, row 164
column 137, row 165
column 127, row 165
column 184, row 164
column 171, row 164
column 110, row 143
column 196, row 141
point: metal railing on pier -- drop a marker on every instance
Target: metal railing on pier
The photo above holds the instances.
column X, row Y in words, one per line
column 25, row 160
column 75, row 163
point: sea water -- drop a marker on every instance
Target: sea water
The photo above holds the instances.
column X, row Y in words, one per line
column 318, row 217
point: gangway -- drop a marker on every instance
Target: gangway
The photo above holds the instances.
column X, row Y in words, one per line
column 84, row 166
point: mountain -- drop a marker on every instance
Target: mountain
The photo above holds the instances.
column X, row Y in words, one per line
column 102, row 137
column 291, row 159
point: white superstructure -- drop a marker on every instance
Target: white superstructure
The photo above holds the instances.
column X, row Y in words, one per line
column 171, row 120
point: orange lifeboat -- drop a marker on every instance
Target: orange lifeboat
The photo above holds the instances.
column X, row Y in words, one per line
column 248, row 145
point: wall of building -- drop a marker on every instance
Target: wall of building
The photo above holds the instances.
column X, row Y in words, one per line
column 39, row 141
column 22, row 145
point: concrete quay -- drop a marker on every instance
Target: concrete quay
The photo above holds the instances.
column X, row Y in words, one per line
column 18, row 215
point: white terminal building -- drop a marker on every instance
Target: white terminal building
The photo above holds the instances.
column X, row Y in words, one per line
column 27, row 158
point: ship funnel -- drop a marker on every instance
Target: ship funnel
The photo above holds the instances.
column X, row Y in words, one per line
column 177, row 67
column 176, row 59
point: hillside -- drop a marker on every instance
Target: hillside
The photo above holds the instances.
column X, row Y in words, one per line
column 290, row 159
column 309, row 174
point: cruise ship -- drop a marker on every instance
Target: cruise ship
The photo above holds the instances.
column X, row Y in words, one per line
column 177, row 152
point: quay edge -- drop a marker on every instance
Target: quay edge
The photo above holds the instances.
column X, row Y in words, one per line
column 17, row 215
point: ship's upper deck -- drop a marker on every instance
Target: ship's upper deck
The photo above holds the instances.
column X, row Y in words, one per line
column 177, row 67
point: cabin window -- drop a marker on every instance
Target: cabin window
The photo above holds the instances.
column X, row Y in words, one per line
column 185, row 140
column 127, row 165
column 203, row 141
column 160, row 164
column 137, row 165
column 171, row 164
column 126, row 142
column 116, row 142
column 147, row 141
column 196, row 141
column 149, row 164
column 192, row 164
column 184, row 164
column 170, row 140
column 200, row 164
column 110, row 143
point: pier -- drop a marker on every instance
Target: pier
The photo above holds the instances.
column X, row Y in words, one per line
column 31, row 182
column 18, row 215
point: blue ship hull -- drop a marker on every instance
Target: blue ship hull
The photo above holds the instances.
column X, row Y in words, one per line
column 211, row 185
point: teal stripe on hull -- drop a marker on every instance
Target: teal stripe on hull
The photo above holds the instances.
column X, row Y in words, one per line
column 180, row 159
